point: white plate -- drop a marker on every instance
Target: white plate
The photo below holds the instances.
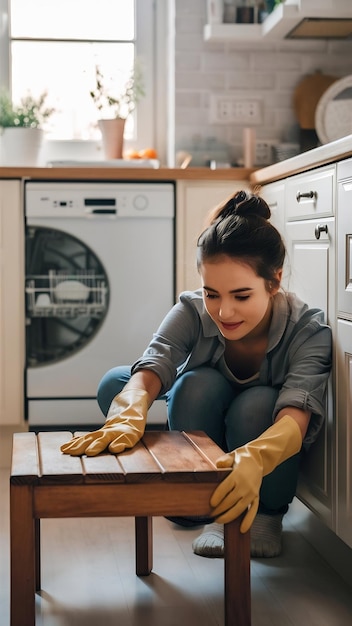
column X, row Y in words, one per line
column 71, row 291
column 333, row 115
column 150, row 163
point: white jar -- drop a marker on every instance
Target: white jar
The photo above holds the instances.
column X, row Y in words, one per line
column 215, row 10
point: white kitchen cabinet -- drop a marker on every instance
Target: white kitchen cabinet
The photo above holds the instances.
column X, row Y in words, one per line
column 194, row 201
column 344, row 352
column 344, row 252
column 312, row 264
column 305, row 215
column 344, row 430
column 274, row 195
column 312, row 278
column 12, row 319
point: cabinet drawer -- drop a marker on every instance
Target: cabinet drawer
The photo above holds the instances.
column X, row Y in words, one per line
column 344, row 169
column 310, row 195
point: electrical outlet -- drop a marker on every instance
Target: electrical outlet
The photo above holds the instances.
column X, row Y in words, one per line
column 225, row 109
column 246, row 111
column 264, row 151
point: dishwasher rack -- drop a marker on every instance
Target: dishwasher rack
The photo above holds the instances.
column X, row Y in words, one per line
column 66, row 294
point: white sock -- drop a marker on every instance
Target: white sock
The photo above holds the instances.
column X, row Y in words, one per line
column 266, row 536
column 266, row 532
column 211, row 542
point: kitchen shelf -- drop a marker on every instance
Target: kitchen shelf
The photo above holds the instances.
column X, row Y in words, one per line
column 280, row 22
column 232, row 32
column 275, row 26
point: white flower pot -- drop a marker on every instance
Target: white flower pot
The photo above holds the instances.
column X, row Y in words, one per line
column 20, row 146
column 112, row 137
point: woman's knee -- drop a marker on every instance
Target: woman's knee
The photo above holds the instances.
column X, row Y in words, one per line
column 111, row 384
column 199, row 387
column 249, row 415
column 198, row 401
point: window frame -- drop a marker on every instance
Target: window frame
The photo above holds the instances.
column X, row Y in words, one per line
column 154, row 48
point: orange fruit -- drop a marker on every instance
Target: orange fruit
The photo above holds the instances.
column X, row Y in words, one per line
column 148, row 153
column 132, row 154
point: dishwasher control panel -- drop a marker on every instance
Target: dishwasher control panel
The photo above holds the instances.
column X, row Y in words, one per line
column 75, row 199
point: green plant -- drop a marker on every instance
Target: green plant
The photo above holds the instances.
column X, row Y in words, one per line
column 29, row 113
column 122, row 105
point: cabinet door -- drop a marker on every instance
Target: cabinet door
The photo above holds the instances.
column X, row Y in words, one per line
column 344, row 430
column 344, row 249
column 312, row 268
column 274, row 195
column 12, row 322
column 310, row 256
column 194, row 201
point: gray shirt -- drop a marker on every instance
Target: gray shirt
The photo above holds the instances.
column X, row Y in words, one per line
column 297, row 361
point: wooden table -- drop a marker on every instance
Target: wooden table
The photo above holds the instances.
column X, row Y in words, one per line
column 165, row 474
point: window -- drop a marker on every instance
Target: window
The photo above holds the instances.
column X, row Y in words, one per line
column 55, row 46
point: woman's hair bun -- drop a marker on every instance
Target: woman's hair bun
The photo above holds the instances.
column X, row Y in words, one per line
column 245, row 204
column 240, row 229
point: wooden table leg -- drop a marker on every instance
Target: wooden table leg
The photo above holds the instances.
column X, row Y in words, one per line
column 22, row 548
column 144, row 545
column 237, row 575
column 38, row 582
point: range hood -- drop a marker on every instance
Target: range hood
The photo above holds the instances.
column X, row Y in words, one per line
column 310, row 19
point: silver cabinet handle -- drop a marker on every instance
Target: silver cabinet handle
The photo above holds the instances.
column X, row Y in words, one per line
column 320, row 228
column 309, row 194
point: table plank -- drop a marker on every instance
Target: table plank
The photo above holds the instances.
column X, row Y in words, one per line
column 25, row 460
column 138, row 460
column 54, row 465
column 103, row 467
column 174, row 452
column 205, row 445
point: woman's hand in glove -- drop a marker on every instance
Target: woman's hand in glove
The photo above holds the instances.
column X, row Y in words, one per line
column 239, row 491
column 124, row 426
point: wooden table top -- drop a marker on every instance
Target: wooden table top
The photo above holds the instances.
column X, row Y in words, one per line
column 160, row 456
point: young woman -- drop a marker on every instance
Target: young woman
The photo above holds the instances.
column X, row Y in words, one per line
column 240, row 359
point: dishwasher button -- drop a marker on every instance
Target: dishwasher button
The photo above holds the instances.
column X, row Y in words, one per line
column 140, row 202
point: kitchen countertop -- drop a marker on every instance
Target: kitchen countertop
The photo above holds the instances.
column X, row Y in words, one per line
column 125, row 174
column 323, row 155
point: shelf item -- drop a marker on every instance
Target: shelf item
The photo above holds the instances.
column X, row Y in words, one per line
column 333, row 115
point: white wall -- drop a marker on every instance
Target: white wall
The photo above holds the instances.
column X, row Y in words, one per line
column 266, row 70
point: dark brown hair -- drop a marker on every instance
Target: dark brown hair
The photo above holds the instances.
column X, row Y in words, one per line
column 240, row 229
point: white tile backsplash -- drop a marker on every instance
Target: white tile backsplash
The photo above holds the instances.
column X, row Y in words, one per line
column 268, row 70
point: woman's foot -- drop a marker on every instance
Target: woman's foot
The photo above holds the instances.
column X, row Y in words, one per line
column 266, row 535
column 211, row 542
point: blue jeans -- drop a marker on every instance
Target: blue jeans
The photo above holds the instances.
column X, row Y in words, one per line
column 203, row 399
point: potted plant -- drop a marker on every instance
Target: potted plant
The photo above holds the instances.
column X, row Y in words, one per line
column 117, row 108
column 21, row 128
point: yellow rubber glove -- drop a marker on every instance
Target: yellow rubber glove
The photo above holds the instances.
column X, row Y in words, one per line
column 239, row 491
column 124, row 426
